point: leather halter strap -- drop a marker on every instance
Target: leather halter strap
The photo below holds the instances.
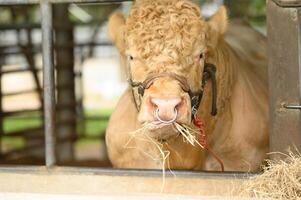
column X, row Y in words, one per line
column 153, row 76
column 195, row 96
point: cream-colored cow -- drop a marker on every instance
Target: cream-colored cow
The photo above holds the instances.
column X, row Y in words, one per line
column 167, row 46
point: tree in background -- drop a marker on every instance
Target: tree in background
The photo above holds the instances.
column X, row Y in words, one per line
column 251, row 10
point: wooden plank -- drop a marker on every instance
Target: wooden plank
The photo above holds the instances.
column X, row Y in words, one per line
column 81, row 181
column 284, row 76
column 22, row 196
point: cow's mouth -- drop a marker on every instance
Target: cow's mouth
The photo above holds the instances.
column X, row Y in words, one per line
column 163, row 126
column 160, row 122
column 161, row 131
column 155, row 125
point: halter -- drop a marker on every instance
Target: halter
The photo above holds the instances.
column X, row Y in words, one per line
column 195, row 96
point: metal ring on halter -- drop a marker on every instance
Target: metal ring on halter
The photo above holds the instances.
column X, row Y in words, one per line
column 169, row 121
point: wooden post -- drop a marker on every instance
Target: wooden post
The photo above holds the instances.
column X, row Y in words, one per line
column 284, row 46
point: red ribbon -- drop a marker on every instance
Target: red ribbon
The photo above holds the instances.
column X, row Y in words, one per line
column 198, row 122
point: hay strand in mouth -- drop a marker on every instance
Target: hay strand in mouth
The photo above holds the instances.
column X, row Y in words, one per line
column 185, row 133
column 164, row 157
column 141, row 134
column 188, row 133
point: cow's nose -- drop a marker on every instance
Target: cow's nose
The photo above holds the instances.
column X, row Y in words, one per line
column 166, row 109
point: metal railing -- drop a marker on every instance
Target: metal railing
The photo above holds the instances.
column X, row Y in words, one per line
column 49, row 104
column 22, row 2
column 49, row 125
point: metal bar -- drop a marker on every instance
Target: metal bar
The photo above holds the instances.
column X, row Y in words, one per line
column 17, row 26
column 123, row 172
column 65, row 81
column 48, row 81
column 17, row 2
column 13, row 50
column 1, row 106
column 92, row 118
column 20, row 92
column 25, row 25
column 67, row 45
column 12, row 71
column 9, row 113
column 30, row 132
column 292, row 107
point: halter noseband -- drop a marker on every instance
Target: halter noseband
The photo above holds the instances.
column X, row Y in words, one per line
column 195, row 97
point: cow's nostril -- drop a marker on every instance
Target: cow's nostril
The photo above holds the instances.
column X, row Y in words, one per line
column 166, row 102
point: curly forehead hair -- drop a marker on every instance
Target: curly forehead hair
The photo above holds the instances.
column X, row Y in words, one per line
column 164, row 27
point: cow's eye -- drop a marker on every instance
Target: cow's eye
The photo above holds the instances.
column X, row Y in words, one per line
column 131, row 57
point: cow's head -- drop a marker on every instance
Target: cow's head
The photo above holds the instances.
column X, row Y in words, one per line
column 166, row 37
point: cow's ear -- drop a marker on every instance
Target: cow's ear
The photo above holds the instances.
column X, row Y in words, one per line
column 116, row 30
column 218, row 25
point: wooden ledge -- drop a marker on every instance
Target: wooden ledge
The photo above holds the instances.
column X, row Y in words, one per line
column 87, row 181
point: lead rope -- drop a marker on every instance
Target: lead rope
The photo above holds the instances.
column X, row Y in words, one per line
column 198, row 122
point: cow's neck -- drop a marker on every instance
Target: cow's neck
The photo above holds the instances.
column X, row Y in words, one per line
column 226, row 61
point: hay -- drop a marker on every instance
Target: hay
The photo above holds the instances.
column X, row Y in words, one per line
column 189, row 135
column 281, row 179
column 141, row 134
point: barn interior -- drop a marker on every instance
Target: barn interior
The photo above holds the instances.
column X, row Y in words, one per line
column 88, row 78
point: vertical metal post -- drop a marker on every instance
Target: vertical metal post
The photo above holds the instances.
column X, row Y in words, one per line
column 48, row 83
column 1, row 110
column 66, row 101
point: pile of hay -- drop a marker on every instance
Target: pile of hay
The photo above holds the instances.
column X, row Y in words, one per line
column 281, row 179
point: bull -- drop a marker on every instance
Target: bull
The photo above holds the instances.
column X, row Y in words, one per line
column 196, row 74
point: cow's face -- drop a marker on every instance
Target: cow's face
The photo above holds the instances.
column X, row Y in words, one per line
column 169, row 37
